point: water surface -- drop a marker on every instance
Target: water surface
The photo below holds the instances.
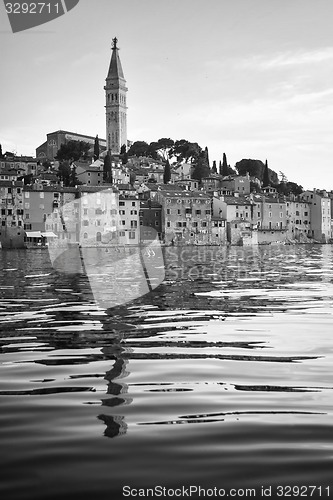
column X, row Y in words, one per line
column 220, row 377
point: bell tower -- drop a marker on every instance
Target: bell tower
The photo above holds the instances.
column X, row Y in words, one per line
column 115, row 103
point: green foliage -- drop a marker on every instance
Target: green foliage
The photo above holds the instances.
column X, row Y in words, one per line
column 214, row 168
column 164, row 146
column 1, row 155
column 186, row 151
column 288, row 187
column 47, row 164
column 139, row 148
column 132, row 178
column 73, row 151
column 225, row 169
column 255, row 168
column 201, row 167
column 265, row 177
column 96, row 148
column 167, row 173
column 67, row 174
column 107, row 169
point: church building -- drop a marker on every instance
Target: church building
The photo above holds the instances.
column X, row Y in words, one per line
column 115, row 104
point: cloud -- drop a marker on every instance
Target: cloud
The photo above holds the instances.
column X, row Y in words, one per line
column 287, row 59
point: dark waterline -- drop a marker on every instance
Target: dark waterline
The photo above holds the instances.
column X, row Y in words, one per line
column 220, row 377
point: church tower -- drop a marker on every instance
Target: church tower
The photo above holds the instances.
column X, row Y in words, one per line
column 115, row 100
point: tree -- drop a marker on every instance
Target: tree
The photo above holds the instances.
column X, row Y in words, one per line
column 265, row 178
column 96, row 148
column 201, row 167
column 163, row 147
column 207, row 156
column 214, row 169
column 139, row 148
column 220, row 168
column 225, row 167
column 167, row 173
column 255, row 168
column 64, row 173
column 107, row 169
column 1, row 155
column 132, row 178
column 73, row 151
column 47, row 164
column 186, row 151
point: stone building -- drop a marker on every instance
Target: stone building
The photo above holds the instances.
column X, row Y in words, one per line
column 320, row 214
column 186, row 216
column 11, row 214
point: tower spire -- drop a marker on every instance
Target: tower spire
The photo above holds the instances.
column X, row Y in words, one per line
column 116, row 109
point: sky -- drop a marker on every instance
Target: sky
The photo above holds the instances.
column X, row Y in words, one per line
column 249, row 78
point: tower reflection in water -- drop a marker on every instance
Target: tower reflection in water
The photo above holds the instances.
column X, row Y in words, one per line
column 114, row 276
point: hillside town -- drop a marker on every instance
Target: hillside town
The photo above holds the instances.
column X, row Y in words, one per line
column 97, row 192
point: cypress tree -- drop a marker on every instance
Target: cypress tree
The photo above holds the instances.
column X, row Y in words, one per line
column 220, row 168
column 96, row 148
column 265, row 178
column 107, row 169
column 167, row 173
column 214, row 169
column 225, row 168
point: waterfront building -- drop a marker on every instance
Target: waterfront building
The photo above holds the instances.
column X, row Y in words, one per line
column 237, row 211
column 298, row 219
column 129, row 222
column 115, row 99
column 150, row 216
column 186, row 215
column 320, row 214
column 219, row 231
column 11, row 214
column 270, row 218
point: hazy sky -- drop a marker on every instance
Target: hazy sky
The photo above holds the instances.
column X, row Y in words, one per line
column 251, row 78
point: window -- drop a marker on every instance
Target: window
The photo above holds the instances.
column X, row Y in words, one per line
column 27, row 195
column 156, row 214
column 10, row 211
column 131, row 235
column 270, row 214
column 204, row 224
column 121, row 212
column 258, row 214
column 179, row 212
column 85, row 236
column 98, row 222
column 9, row 190
column 41, row 195
column 85, row 211
column 27, row 206
column 98, row 211
column 98, row 236
column 121, row 203
column 122, row 233
column 134, row 212
column 85, row 223
column 113, row 211
column 168, row 224
column 208, row 212
column 168, row 211
column 133, row 203
column 281, row 215
column 134, row 223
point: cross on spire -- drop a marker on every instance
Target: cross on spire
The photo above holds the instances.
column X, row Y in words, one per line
column 115, row 41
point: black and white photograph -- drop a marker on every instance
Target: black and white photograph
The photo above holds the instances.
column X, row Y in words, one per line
column 166, row 249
